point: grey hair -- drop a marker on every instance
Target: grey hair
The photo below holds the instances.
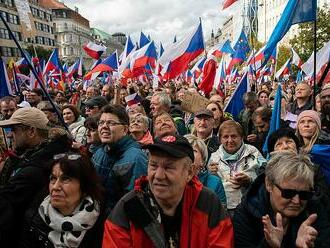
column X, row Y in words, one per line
column 195, row 141
column 164, row 99
column 288, row 165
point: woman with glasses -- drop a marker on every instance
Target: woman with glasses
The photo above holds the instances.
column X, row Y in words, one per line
column 279, row 209
column 72, row 214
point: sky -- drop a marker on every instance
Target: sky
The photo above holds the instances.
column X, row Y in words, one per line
column 161, row 19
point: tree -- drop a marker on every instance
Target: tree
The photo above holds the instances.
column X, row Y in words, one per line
column 303, row 42
column 41, row 52
column 284, row 53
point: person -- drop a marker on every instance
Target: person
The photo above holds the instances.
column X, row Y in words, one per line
column 325, row 108
column 8, row 106
column 263, row 98
column 251, row 103
column 200, row 169
column 107, row 92
column 71, row 214
column 217, row 111
column 204, row 123
column 25, row 173
column 279, row 209
column 139, row 129
column 163, row 124
column 50, row 112
column 34, row 97
column 236, row 163
column 303, row 99
column 93, row 106
column 120, row 160
column 309, row 130
column 283, row 139
column 170, row 207
column 75, row 122
column 93, row 140
column 60, row 98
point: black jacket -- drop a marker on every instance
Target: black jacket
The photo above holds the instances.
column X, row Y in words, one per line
column 30, row 176
column 247, row 221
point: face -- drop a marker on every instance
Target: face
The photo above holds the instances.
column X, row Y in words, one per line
column 65, row 193
column 7, row 109
column 137, row 124
column 217, row 113
column 216, row 98
column 93, row 110
column 251, row 106
column 204, row 125
column 287, row 207
column 263, row 99
column 164, row 125
column 90, row 92
column 285, row 144
column 155, row 106
column 135, row 109
column 168, row 177
column 59, row 98
column 33, row 98
column 110, row 129
column 20, row 137
column 92, row 136
column 325, row 101
column 262, row 126
column 231, row 140
column 68, row 116
column 199, row 161
column 51, row 116
column 303, row 91
column 105, row 91
column 307, row 127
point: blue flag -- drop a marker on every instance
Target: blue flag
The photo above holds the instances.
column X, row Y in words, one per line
column 143, row 40
column 296, row 11
column 275, row 121
column 236, row 104
column 5, row 86
column 241, row 47
column 320, row 155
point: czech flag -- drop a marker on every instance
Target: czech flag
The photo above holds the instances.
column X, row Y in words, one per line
column 144, row 40
column 94, row 50
column 182, row 52
column 133, row 99
column 53, row 62
column 296, row 60
column 198, row 67
column 142, row 57
column 284, row 70
column 220, row 49
column 227, row 3
column 109, row 64
column 75, row 68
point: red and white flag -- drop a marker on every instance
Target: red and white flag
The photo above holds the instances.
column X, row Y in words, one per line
column 94, row 50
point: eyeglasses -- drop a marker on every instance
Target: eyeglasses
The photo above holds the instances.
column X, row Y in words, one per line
column 290, row 193
column 109, row 123
column 73, row 156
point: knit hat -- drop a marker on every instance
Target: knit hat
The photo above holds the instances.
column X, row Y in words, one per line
column 280, row 133
column 312, row 114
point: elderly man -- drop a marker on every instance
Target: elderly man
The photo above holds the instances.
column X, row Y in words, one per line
column 25, row 174
column 251, row 103
column 120, row 160
column 303, row 99
column 93, row 106
column 170, row 207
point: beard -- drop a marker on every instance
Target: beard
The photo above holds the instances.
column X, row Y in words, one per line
column 325, row 108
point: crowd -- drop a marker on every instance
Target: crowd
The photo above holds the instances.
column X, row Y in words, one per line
column 134, row 168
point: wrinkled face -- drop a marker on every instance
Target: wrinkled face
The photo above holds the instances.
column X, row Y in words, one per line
column 90, row 92
column 261, row 126
column 199, row 162
column 20, row 137
column 168, row 177
column 92, row 110
column 285, row 144
column 68, row 116
column 217, row 113
column 7, row 109
column 137, row 124
column 92, row 136
column 65, row 192
column 155, row 106
column 231, row 140
column 325, row 101
column 303, row 91
column 307, row 127
column 111, row 129
column 287, row 207
column 105, row 91
column 164, row 125
column 263, row 99
column 204, row 124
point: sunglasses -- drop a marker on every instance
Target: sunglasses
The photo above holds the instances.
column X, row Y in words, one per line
column 68, row 156
column 290, row 193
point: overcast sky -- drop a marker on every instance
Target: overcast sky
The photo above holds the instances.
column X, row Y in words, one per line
column 161, row 19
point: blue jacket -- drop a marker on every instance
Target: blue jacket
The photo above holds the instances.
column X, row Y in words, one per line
column 119, row 165
column 213, row 183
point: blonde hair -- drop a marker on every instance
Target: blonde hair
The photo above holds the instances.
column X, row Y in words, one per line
column 308, row 147
column 198, row 142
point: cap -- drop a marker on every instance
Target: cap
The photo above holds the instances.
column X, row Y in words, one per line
column 174, row 145
column 98, row 101
column 23, row 104
column 280, row 133
column 47, row 106
column 31, row 117
column 204, row 112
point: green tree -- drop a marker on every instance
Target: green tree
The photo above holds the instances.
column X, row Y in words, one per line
column 284, row 54
column 41, row 52
column 303, row 42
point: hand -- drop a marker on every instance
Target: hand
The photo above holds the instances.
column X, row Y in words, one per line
column 252, row 138
column 273, row 234
column 307, row 234
column 213, row 167
column 242, row 179
column 76, row 145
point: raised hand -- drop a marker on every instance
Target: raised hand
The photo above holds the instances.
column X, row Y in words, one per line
column 273, row 234
column 307, row 234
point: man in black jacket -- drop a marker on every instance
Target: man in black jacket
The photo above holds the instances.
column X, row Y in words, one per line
column 25, row 174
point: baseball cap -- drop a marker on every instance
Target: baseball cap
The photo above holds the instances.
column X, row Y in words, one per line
column 173, row 145
column 31, row 117
column 204, row 112
column 98, row 101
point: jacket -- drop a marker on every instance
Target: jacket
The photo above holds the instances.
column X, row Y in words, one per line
column 294, row 109
column 249, row 161
column 204, row 223
column 119, row 165
column 30, row 174
column 248, row 225
column 78, row 130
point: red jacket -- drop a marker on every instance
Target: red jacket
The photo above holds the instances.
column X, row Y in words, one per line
column 204, row 221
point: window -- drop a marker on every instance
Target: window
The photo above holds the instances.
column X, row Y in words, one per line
column 12, row 19
column 4, row 34
column 47, row 42
column 15, row 52
column 7, row 2
column 64, row 51
column 41, row 14
column 48, row 17
column 71, row 51
column 6, row 51
column 65, row 25
column 17, row 35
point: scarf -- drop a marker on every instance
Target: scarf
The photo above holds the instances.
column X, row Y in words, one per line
column 146, row 139
column 232, row 157
column 69, row 231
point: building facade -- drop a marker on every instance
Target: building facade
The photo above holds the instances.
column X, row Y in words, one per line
column 31, row 24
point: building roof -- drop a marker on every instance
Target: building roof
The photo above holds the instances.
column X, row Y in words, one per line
column 119, row 34
column 52, row 4
column 102, row 34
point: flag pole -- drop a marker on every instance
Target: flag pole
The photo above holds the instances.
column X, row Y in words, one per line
column 35, row 73
column 314, row 75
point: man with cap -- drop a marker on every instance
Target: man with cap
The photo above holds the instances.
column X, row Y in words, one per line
column 204, row 122
column 169, row 207
column 325, row 108
column 50, row 112
column 93, row 106
column 25, row 173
